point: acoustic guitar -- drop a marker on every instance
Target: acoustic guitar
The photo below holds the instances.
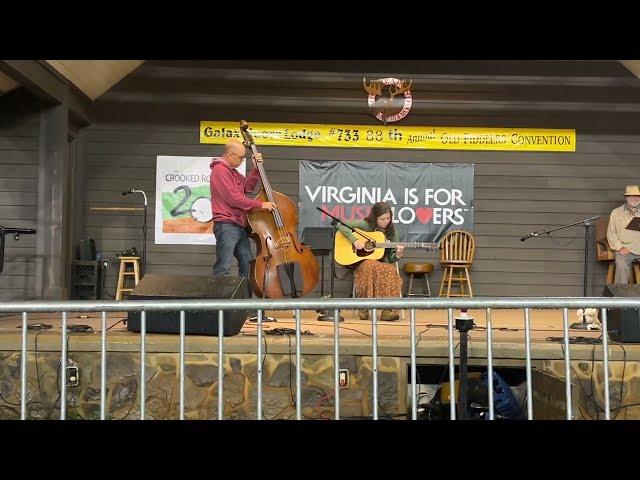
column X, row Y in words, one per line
column 346, row 254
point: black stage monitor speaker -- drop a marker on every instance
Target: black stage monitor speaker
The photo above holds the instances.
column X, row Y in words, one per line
column 157, row 286
column 623, row 324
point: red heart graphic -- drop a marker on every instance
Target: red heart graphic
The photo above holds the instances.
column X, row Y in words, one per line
column 424, row 214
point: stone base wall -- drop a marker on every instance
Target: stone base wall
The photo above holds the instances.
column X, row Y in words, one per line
column 624, row 387
column 279, row 389
column 201, row 386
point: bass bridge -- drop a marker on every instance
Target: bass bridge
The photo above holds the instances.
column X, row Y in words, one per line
column 283, row 242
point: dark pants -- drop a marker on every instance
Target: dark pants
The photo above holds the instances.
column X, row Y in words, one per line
column 231, row 240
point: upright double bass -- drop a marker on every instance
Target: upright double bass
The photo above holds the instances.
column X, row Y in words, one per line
column 283, row 266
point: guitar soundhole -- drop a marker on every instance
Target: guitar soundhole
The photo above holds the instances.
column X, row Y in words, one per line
column 368, row 248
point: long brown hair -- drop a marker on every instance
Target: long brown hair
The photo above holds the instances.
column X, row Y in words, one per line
column 377, row 210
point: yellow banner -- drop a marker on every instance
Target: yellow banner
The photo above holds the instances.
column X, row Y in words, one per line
column 370, row 136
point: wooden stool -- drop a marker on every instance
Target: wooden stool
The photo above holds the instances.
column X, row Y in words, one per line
column 123, row 273
column 418, row 269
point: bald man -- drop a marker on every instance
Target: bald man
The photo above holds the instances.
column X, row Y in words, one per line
column 230, row 205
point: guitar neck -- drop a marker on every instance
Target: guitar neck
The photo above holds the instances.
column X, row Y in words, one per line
column 405, row 244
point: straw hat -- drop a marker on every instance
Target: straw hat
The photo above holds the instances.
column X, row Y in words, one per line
column 632, row 190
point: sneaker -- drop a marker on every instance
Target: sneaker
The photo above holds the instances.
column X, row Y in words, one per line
column 363, row 314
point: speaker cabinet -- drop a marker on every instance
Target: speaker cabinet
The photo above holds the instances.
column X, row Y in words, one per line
column 156, row 286
column 623, row 324
column 87, row 249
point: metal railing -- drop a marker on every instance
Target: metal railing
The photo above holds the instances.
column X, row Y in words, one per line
column 487, row 303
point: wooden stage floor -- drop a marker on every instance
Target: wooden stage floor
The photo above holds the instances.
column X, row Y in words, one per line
column 507, row 324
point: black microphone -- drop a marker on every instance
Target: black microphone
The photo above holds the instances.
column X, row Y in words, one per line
column 127, row 193
column 522, row 239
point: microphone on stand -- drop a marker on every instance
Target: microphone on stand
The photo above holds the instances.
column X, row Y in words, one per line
column 529, row 235
column 127, row 193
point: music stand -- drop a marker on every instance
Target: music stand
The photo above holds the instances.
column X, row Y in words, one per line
column 320, row 240
column 17, row 232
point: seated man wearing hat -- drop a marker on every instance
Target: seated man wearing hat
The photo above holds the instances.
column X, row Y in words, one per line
column 625, row 243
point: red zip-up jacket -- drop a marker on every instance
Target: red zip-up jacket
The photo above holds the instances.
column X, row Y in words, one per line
column 228, row 189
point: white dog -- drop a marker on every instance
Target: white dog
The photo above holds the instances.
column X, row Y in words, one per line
column 591, row 317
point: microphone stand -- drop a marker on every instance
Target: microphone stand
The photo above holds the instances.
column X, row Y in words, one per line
column 326, row 315
column 144, row 229
column 464, row 323
column 334, row 224
column 586, row 223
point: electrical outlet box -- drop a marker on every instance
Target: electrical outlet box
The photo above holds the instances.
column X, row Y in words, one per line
column 343, row 378
column 73, row 376
column 105, row 264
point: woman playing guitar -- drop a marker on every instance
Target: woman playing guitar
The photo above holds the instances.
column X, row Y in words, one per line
column 377, row 278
